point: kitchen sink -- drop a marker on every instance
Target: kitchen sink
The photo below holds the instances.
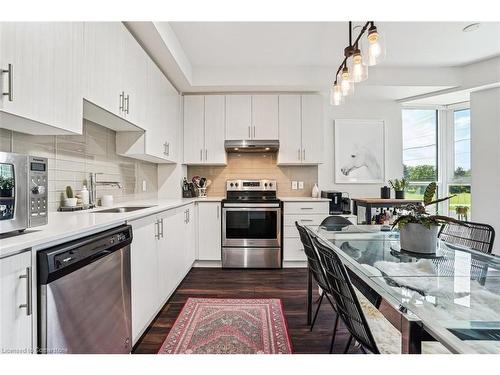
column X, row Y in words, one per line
column 120, row 210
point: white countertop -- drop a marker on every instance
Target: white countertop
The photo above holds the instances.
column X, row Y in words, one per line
column 66, row 226
column 303, row 199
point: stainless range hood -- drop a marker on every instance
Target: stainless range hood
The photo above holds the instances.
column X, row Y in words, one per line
column 252, row 146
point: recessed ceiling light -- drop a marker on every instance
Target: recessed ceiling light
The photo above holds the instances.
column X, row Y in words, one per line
column 471, row 27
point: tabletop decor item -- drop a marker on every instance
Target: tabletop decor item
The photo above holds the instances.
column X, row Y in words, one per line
column 315, row 191
column 229, row 326
column 70, row 200
column 417, row 228
column 399, row 186
column 385, row 192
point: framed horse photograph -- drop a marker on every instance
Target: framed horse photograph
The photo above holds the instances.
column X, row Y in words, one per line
column 359, row 151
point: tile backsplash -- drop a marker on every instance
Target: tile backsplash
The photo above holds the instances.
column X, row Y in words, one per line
column 257, row 166
column 73, row 157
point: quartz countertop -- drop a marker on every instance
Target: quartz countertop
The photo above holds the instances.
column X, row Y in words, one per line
column 303, row 199
column 66, row 226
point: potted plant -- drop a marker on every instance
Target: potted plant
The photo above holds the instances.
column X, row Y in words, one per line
column 399, row 187
column 418, row 229
column 6, row 186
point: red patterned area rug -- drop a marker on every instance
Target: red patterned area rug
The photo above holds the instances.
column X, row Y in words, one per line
column 229, row 326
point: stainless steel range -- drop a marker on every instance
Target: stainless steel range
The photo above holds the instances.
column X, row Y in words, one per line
column 251, row 225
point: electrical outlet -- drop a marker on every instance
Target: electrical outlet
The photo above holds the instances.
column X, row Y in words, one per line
column 144, row 186
column 301, row 184
column 294, row 185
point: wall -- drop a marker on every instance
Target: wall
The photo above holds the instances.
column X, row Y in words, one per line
column 485, row 158
column 72, row 158
column 390, row 112
column 257, row 166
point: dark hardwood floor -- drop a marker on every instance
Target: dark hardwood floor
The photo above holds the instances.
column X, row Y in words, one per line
column 288, row 284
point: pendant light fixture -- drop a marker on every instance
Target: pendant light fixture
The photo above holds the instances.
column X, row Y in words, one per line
column 357, row 57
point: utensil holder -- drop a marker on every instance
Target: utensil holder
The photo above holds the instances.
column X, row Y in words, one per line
column 202, row 192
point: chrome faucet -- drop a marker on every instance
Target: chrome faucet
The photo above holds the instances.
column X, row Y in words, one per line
column 93, row 187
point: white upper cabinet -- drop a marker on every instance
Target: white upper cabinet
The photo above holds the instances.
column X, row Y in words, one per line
column 265, row 117
column 194, row 112
column 104, row 65
column 214, row 129
column 301, row 129
column 312, row 129
column 238, row 117
column 42, row 66
column 290, row 123
column 204, row 127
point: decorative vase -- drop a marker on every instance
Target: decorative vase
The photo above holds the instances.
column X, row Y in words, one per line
column 417, row 238
column 385, row 192
column 400, row 194
column 315, row 191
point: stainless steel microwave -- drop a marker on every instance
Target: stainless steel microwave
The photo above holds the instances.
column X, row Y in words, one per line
column 23, row 192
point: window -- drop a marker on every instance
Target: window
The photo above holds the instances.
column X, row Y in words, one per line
column 460, row 179
column 437, row 147
column 420, row 145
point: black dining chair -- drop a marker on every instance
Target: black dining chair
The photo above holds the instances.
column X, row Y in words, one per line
column 318, row 274
column 335, row 223
column 345, row 299
column 476, row 236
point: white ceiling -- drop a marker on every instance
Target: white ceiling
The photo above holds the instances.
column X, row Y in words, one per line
column 272, row 44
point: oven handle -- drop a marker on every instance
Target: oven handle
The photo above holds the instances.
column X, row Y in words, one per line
column 251, row 205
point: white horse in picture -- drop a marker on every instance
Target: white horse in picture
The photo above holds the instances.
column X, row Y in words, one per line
column 361, row 158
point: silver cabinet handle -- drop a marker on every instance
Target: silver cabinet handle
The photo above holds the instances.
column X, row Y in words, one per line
column 168, row 148
column 201, row 154
column 157, row 229
column 122, row 101
column 127, row 102
column 218, row 212
column 249, row 133
column 185, row 216
column 304, row 154
column 254, row 131
column 189, row 216
column 165, row 148
column 27, row 305
column 306, row 208
column 298, row 154
column 206, row 154
column 10, row 76
column 161, row 220
column 306, row 220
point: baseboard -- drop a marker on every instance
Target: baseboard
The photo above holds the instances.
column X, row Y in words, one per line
column 207, row 264
column 295, row 264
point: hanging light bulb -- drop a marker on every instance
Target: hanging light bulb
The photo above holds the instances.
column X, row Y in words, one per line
column 359, row 71
column 374, row 47
column 336, row 94
column 346, row 84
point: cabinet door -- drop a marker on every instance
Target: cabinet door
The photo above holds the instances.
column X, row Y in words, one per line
column 193, row 129
column 209, row 231
column 172, row 258
column 290, row 126
column 214, row 129
column 144, row 274
column 104, row 65
column 46, row 61
column 135, row 85
column 238, row 117
column 172, row 107
column 15, row 324
column 189, row 243
column 265, row 117
column 312, row 129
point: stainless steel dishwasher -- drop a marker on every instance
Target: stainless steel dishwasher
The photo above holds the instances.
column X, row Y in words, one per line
column 84, row 295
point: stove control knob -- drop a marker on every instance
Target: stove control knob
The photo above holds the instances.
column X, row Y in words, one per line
column 236, row 184
column 265, row 184
column 231, row 184
column 270, row 184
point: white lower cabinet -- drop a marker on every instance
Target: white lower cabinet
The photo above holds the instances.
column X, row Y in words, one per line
column 161, row 256
column 306, row 213
column 209, row 231
column 15, row 304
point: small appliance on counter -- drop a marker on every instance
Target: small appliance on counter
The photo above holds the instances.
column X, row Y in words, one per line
column 188, row 189
column 340, row 203
column 23, row 192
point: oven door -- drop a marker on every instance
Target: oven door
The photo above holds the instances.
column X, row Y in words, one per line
column 13, row 192
column 251, row 225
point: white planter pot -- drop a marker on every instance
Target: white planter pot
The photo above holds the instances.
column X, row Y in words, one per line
column 418, row 238
column 70, row 202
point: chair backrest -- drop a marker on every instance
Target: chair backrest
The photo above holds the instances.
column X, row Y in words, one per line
column 333, row 223
column 476, row 236
column 312, row 258
column 346, row 301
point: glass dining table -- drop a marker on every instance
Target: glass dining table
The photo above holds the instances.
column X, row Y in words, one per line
column 452, row 296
